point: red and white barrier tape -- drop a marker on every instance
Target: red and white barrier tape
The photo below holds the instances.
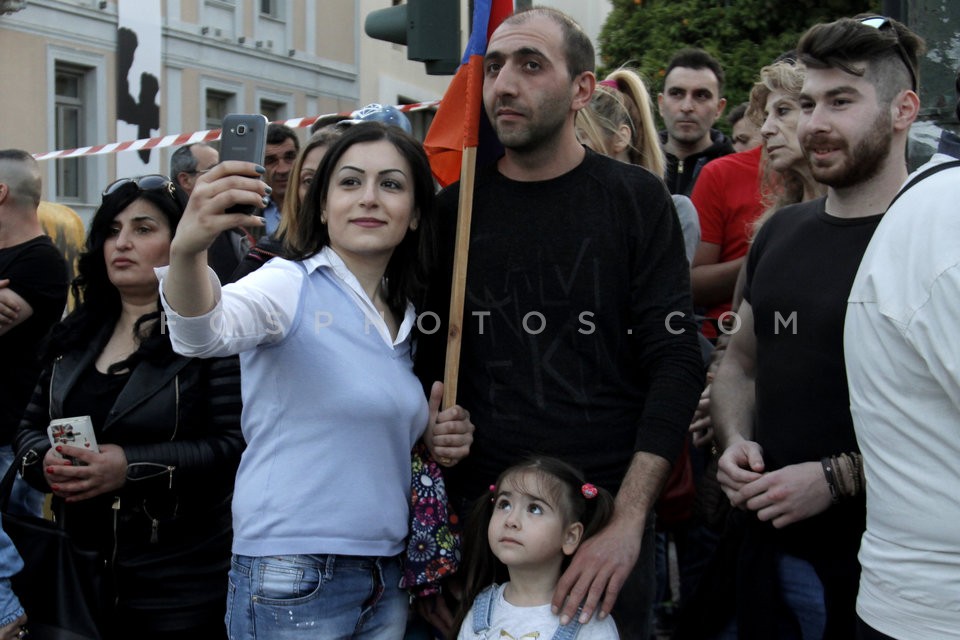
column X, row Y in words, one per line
column 197, row 136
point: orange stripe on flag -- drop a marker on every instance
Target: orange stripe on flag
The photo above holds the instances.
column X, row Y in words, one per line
column 457, row 122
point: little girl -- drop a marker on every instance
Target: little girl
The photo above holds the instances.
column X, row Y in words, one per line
column 537, row 515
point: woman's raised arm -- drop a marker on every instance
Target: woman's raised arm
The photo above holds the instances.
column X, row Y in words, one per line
column 186, row 287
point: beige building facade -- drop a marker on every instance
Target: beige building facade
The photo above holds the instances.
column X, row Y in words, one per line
column 283, row 58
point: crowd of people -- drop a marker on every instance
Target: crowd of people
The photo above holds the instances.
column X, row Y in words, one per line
column 652, row 318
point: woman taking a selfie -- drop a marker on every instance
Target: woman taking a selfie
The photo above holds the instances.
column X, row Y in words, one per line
column 155, row 499
column 332, row 405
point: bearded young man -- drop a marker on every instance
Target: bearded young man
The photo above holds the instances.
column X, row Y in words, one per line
column 780, row 400
column 576, row 265
column 902, row 353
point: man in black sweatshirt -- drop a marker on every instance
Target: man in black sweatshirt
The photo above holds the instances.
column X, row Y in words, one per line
column 578, row 340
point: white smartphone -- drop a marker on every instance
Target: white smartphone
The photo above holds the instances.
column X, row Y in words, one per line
column 73, row 432
column 243, row 136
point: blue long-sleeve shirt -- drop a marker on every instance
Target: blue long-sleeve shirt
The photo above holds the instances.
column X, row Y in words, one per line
column 331, row 408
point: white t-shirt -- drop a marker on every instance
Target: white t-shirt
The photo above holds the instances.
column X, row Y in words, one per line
column 510, row 622
column 902, row 349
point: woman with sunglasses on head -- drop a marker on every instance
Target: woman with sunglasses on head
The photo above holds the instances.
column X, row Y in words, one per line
column 155, row 499
column 332, row 406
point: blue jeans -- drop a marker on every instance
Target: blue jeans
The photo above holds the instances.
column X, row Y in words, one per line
column 24, row 499
column 802, row 594
column 315, row 596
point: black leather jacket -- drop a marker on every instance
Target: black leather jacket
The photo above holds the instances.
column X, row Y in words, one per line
column 166, row 534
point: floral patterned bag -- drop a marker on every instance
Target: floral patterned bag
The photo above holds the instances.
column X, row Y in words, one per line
column 433, row 546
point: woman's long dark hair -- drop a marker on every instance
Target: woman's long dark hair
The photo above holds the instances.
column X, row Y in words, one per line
column 407, row 270
column 564, row 485
column 98, row 300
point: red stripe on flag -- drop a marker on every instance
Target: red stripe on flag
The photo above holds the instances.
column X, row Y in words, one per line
column 500, row 10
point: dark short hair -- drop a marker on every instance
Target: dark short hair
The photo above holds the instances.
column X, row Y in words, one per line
column 406, row 272
column 847, row 44
column 327, row 121
column 277, row 133
column 577, row 47
column 736, row 114
column 697, row 59
column 182, row 160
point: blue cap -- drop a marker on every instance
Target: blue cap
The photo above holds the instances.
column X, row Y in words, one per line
column 380, row 113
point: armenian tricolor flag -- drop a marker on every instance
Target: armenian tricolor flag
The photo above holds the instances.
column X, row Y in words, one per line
column 460, row 122
column 452, row 142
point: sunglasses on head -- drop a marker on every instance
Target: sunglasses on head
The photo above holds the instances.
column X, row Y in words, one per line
column 880, row 23
column 150, row 182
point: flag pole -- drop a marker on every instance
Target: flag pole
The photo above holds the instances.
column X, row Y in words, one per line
column 461, row 252
column 468, row 84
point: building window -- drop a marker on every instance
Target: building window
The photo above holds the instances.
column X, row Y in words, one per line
column 218, row 106
column 273, row 110
column 69, row 129
column 270, row 8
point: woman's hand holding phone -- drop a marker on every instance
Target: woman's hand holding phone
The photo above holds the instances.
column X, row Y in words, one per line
column 232, row 192
column 243, row 136
column 231, row 183
column 226, row 185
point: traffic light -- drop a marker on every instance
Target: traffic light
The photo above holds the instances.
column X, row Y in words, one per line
column 429, row 28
